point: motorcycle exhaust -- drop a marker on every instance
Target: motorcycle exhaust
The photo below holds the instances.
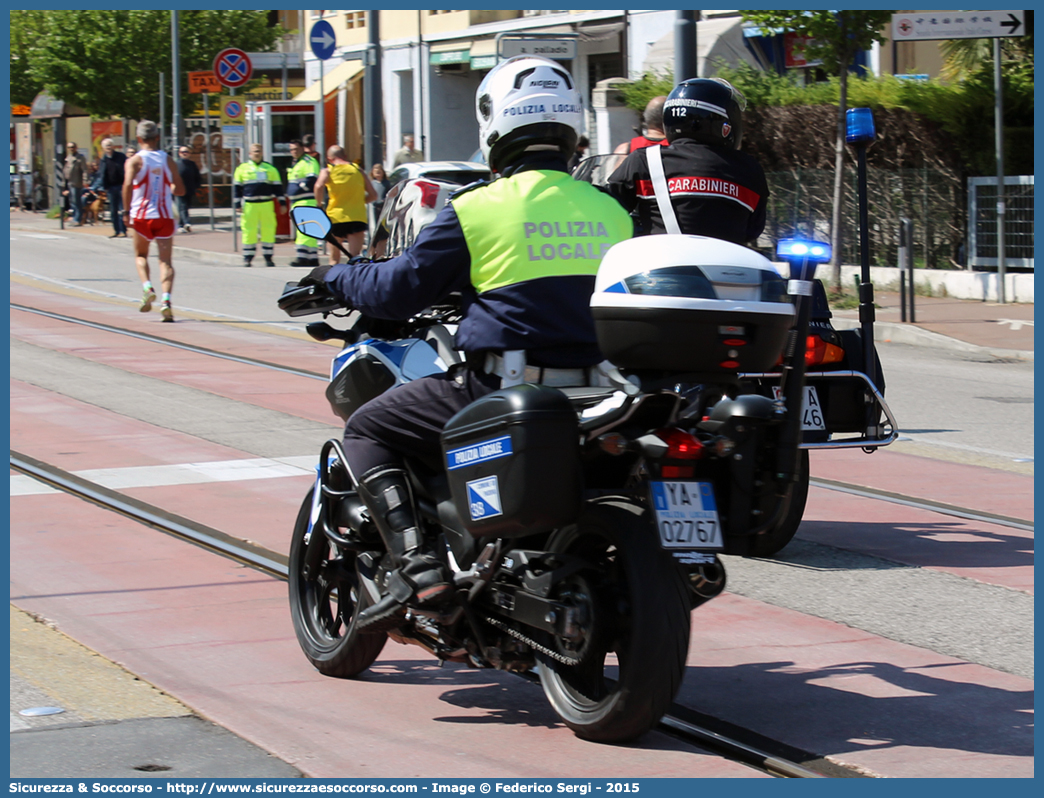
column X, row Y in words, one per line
column 707, row 581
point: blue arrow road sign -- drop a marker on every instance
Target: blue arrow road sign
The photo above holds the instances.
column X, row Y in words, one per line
column 323, row 40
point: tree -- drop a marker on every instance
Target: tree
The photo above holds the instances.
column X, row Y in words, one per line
column 835, row 37
column 108, row 62
column 25, row 30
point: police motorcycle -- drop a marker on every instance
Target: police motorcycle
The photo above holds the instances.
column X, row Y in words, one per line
column 581, row 526
column 844, row 405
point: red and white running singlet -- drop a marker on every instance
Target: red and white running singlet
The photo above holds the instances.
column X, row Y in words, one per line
column 152, row 188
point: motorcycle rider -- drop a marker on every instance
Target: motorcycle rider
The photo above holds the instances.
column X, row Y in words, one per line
column 523, row 250
column 711, row 188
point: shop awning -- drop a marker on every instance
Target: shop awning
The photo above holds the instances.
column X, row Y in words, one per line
column 450, row 53
column 483, row 54
column 332, row 81
column 46, row 107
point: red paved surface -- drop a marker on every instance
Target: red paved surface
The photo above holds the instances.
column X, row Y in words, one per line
column 219, row 638
column 898, row 710
column 974, row 487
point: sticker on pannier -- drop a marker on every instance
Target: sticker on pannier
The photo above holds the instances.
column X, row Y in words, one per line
column 484, row 498
column 478, row 453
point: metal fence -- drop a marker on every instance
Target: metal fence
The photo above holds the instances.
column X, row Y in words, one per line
column 1018, row 222
column 801, row 201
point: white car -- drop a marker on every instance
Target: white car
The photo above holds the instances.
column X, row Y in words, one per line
column 418, row 192
column 459, row 172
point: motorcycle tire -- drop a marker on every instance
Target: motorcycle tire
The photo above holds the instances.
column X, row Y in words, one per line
column 636, row 607
column 324, row 607
column 776, row 539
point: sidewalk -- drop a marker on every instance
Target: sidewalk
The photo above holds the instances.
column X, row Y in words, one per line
column 954, row 324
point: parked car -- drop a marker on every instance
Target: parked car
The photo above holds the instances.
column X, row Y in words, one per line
column 459, row 172
column 417, row 194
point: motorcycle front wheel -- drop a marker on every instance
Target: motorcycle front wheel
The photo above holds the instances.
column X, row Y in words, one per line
column 325, row 604
column 633, row 617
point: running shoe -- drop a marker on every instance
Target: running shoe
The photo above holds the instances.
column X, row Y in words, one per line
column 168, row 314
column 146, row 301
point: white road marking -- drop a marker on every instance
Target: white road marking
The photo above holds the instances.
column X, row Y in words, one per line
column 17, row 724
column 181, row 474
column 1016, row 324
column 46, row 236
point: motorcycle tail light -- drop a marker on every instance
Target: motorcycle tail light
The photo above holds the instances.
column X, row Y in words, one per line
column 429, row 193
column 680, row 445
column 820, row 353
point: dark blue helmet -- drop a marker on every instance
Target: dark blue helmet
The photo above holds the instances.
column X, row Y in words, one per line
column 706, row 110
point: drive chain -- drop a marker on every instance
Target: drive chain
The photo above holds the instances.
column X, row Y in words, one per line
column 533, row 644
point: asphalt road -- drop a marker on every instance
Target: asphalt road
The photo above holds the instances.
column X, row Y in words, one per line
column 950, row 405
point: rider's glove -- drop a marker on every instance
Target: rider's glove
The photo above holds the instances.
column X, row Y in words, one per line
column 316, row 276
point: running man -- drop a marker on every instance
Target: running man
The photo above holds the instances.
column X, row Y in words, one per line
column 151, row 180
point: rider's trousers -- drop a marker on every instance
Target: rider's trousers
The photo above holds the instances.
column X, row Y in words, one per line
column 407, row 421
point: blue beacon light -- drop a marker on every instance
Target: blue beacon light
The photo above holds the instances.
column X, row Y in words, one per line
column 860, row 126
column 794, row 249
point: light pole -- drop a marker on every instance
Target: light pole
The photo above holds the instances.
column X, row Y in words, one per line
column 859, row 133
column 175, row 83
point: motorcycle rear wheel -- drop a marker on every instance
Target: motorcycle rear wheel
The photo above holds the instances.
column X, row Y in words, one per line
column 325, row 605
column 632, row 603
column 776, row 539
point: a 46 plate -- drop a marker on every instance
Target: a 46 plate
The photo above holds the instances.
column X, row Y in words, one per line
column 686, row 515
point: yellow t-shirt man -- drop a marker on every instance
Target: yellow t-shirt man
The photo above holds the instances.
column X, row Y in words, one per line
column 347, row 187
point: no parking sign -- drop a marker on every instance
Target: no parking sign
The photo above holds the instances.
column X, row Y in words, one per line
column 232, row 111
column 232, row 67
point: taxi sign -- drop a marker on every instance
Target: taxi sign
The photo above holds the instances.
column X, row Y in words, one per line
column 202, row 82
column 232, row 67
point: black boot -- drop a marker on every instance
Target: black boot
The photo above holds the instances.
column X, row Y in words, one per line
column 419, row 579
column 269, row 261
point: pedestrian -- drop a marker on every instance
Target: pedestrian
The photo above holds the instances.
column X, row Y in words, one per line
column 130, row 152
column 308, row 142
column 407, row 154
column 151, row 180
column 582, row 144
column 300, row 191
column 652, row 125
column 519, row 310
column 381, row 184
column 350, row 190
column 705, row 185
column 110, row 170
column 259, row 192
column 189, row 172
column 75, row 172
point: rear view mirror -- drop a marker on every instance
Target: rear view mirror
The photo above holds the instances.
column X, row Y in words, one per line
column 311, row 221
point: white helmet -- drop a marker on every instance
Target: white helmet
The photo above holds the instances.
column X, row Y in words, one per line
column 523, row 102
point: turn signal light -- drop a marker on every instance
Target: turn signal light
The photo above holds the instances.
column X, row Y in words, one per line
column 819, row 352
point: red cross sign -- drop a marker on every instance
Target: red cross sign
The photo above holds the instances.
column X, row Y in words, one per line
column 232, row 67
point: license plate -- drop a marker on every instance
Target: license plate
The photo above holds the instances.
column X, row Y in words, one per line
column 686, row 515
column 811, row 412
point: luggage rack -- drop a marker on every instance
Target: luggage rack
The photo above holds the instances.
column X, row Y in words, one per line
column 872, row 438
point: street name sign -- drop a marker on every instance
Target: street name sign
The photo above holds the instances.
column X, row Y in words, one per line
column 561, row 49
column 232, row 67
column 931, row 25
